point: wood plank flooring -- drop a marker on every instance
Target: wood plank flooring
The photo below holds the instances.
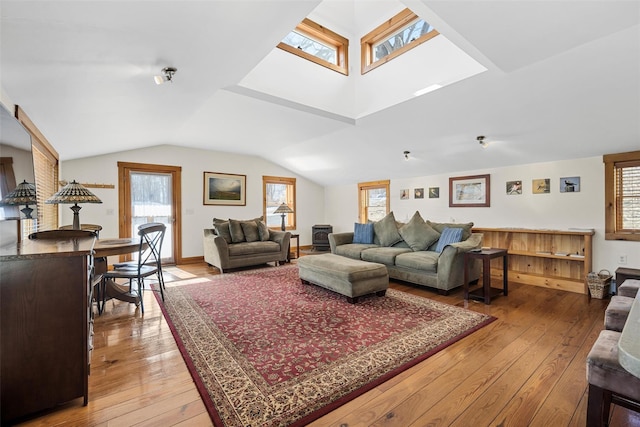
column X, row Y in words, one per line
column 525, row 369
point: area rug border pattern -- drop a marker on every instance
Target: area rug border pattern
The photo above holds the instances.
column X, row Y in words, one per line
column 213, row 412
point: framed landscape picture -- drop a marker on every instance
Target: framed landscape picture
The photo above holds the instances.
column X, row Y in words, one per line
column 224, row 189
column 469, row 191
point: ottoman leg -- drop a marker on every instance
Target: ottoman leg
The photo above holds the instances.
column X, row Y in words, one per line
column 597, row 407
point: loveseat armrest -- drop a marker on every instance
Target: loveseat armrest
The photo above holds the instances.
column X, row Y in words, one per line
column 283, row 238
column 216, row 249
column 473, row 242
column 337, row 239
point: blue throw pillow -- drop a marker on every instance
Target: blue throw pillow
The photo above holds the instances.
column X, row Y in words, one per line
column 448, row 236
column 363, row 233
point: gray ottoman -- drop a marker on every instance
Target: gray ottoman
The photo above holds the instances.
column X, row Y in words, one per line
column 349, row 277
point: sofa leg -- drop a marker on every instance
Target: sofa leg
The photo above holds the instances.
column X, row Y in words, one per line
column 304, row 282
column 352, row 300
column 381, row 293
column 443, row 292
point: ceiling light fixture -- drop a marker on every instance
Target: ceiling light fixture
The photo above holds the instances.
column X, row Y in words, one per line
column 166, row 76
column 406, row 155
column 482, row 142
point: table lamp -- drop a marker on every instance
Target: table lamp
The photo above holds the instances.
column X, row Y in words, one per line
column 283, row 209
column 74, row 193
column 24, row 194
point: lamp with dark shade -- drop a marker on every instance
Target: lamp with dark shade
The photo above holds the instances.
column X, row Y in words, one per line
column 24, row 194
column 283, row 209
column 74, row 193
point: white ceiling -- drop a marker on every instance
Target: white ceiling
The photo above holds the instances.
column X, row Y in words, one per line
column 562, row 81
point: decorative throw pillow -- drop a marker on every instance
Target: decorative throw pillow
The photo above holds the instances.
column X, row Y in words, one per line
column 263, row 230
column 440, row 226
column 250, row 231
column 449, row 236
column 237, row 235
column 387, row 231
column 222, row 230
column 363, row 233
column 418, row 235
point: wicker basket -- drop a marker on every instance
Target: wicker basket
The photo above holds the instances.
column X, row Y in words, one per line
column 599, row 283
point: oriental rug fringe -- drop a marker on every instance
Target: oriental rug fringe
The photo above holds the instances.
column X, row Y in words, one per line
column 266, row 350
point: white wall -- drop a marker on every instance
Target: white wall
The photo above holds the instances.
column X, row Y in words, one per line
column 195, row 216
column 584, row 209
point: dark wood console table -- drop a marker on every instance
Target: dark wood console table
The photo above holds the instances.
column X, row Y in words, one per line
column 486, row 292
column 45, row 324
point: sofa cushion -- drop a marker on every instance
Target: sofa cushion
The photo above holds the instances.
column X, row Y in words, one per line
column 252, row 248
column 386, row 230
column 363, row 233
column 250, row 231
column 263, row 230
column 418, row 234
column 466, row 227
column 448, row 236
column 383, row 255
column 237, row 235
column 422, row 260
column 222, row 229
column 353, row 250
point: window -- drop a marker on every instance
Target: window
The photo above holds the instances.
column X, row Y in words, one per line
column 622, row 196
column 277, row 190
column 45, row 164
column 398, row 35
column 373, row 200
column 318, row 44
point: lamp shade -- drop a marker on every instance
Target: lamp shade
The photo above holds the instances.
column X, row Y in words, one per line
column 24, row 194
column 73, row 193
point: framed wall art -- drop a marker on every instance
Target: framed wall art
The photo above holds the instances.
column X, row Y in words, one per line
column 434, row 192
column 470, row 191
column 570, row 184
column 404, row 194
column 514, row 187
column 541, row 186
column 225, row 189
column 418, row 193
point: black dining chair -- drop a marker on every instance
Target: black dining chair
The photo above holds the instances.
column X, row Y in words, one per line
column 148, row 263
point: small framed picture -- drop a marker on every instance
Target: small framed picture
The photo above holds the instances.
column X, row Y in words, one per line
column 434, row 192
column 514, row 187
column 404, row 194
column 418, row 193
column 570, row 184
column 541, row 186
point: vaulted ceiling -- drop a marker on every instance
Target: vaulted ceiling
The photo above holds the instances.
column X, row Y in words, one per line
column 555, row 80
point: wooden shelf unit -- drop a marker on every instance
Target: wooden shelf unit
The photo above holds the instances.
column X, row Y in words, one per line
column 533, row 259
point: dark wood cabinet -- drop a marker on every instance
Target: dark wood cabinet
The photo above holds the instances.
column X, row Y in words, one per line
column 45, row 324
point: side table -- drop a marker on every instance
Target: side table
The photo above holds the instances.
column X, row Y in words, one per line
column 297, row 237
column 486, row 292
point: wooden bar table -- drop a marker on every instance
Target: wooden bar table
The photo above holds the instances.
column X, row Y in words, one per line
column 112, row 247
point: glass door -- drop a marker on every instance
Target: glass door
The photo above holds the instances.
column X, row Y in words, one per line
column 149, row 193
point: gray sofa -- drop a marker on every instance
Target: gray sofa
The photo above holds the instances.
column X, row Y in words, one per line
column 242, row 243
column 409, row 251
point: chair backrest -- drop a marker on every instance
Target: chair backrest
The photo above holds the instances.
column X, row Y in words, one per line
column 151, row 237
column 61, row 234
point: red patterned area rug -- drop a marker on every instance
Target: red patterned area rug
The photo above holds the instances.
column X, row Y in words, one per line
column 266, row 350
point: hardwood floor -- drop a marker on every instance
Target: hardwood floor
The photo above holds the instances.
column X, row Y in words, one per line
column 526, row 368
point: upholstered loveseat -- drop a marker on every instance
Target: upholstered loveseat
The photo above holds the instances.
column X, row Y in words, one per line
column 242, row 243
column 422, row 252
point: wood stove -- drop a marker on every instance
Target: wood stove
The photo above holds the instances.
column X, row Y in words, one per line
column 320, row 237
